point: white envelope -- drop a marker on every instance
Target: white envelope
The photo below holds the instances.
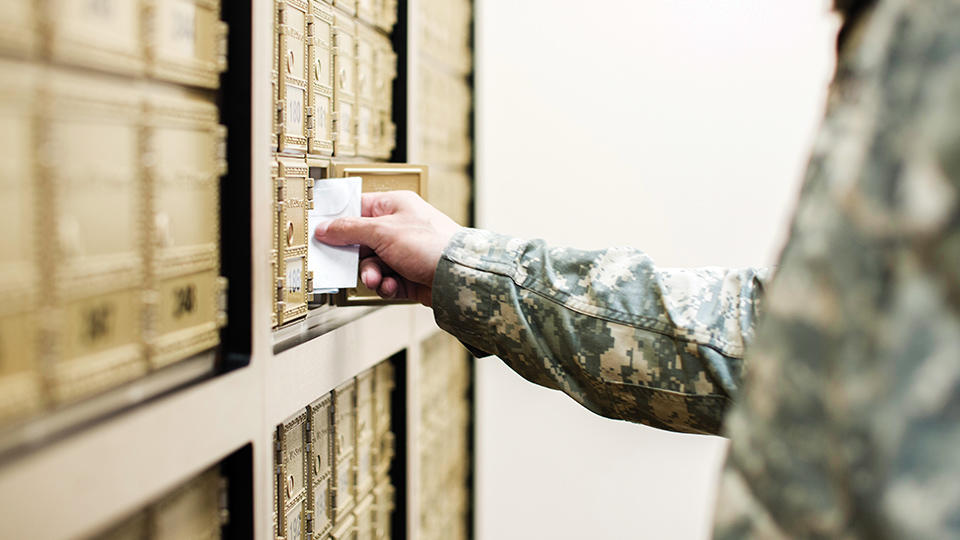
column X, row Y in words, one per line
column 333, row 267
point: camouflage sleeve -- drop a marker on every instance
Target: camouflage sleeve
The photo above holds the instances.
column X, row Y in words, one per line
column 622, row 337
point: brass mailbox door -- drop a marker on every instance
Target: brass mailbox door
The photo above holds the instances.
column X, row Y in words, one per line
column 18, row 27
column 379, row 177
column 321, row 464
column 105, row 34
column 294, row 192
column 385, row 71
column 187, row 41
column 344, row 84
column 321, row 80
column 94, row 186
column 293, row 477
column 188, row 157
column 293, row 76
column 383, row 502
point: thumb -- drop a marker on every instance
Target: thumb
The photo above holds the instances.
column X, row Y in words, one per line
column 347, row 231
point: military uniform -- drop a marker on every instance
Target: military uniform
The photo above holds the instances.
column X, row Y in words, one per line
column 844, row 409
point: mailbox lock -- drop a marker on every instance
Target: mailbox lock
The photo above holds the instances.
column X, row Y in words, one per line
column 290, row 482
column 290, row 232
column 316, row 72
column 343, row 78
column 291, row 59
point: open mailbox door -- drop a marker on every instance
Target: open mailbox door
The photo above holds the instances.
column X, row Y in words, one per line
column 378, row 177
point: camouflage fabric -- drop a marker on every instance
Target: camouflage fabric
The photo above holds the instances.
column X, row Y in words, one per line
column 844, row 414
column 622, row 337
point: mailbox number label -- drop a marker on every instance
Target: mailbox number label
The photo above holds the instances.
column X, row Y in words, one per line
column 98, row 322
column 184, row 300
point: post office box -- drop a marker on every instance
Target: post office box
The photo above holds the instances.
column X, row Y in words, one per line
column 387, row 14
column 344, row 411
column 188, row 156
column 365, row 464
column 102, row 34
column 378, row 177
column 368, row 137
column 383, row 503
column 292, row 475
column 294, row 17
column 385, row 71
column 364, row 390
column 186, row 41
column 293, row 202
column 344, row 85
column 320, row 80
column 345, row 144
column 344, row 56
column 321, row 432
column 345, row 486
column 344, row 530
column 18, row 27
column 382, row 390
column 321, row 511
column 191, row 511
column 366, row 62
column 94, row 194
column 365, row 515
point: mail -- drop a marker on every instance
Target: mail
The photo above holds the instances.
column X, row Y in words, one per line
column 333, row 267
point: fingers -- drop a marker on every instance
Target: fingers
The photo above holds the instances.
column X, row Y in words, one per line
column 371, row 272
column 347, row 231
column 385, row 203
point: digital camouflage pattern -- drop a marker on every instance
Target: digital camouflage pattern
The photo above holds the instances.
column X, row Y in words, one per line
column 848, row 420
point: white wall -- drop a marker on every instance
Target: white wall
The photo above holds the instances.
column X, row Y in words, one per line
column 678, row 127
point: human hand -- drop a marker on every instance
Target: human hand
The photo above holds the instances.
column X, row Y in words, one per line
column 401, row 238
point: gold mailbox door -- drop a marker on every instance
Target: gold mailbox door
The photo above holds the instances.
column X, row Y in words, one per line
column 95, row 191
column 188, row 152
column 320, row 465
column 344, row 85
column 349, row 6
column 103, row 34
column 188, row 41
column 291, row 473
column 379, row 177
column 321, row 80
column 293, row 76
column 294, row 278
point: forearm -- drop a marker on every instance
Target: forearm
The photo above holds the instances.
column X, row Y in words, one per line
column 620, row 336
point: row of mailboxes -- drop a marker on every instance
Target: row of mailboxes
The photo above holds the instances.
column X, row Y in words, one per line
column 294, row 181
column 333, row 461
column 444, row 30
column 332, row 82
column 443, row 436
column 181, row 41
column 197, row 509
column 112, row 187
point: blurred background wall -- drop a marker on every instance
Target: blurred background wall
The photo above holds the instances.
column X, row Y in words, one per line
column 678, row 127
